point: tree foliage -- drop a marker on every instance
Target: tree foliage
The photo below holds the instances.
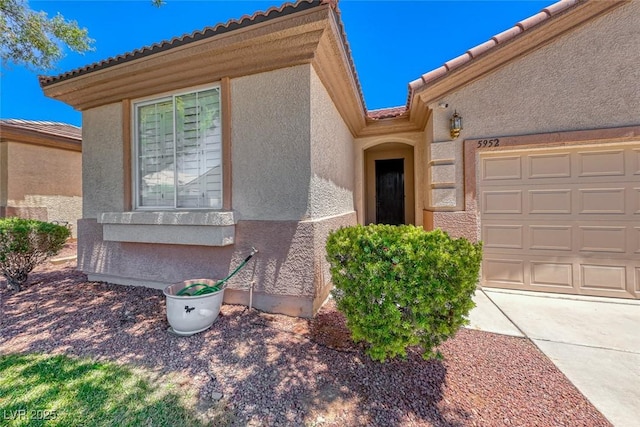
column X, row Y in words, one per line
column 33, row 39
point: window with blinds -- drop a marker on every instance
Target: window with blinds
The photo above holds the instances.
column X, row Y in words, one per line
column 179, row 151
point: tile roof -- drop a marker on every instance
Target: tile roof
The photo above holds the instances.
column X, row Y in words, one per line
column 63, row 130
column 387, row 113
column 495, row 41
column 301, row 5
column 230, row 25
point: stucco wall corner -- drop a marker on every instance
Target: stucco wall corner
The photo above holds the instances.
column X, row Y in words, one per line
column 322, row 273
column 332, row 155
column 102, row 160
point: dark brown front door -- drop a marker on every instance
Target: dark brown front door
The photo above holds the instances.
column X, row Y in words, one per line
column 390, row 191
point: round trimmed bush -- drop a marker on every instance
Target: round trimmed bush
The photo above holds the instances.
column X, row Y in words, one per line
column 401, row 286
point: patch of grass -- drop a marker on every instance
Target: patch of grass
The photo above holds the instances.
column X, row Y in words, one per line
column 39, row 390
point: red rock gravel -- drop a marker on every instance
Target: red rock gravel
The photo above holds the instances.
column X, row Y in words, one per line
column 275, row 370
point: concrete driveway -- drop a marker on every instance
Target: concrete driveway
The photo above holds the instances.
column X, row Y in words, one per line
column 595, row 342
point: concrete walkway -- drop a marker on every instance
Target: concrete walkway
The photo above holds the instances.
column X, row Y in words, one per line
column 595, row 342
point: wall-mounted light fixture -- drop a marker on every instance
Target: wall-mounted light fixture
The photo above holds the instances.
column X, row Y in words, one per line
column 455, row 125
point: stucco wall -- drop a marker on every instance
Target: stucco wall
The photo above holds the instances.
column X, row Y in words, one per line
column 332, row 174
column 44, row 171
column 271, row 144
column 585, row 79
column 102, row 160
column 286, row 197
column 43, row 183
column 289, row 274
column 270, row 148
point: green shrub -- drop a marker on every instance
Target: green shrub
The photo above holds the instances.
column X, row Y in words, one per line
column 400, row 286
column 25, row 243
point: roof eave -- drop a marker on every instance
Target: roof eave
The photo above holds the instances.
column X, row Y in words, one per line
column 313, row 36
column 277, row 43
column 334, row 66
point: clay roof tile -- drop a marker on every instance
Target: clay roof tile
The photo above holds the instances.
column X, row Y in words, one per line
column 434, row 74
column 387, row 113
column 457, row 62
column 481, row 48
column 558, row 7
column 506, row 35
column 534, row 20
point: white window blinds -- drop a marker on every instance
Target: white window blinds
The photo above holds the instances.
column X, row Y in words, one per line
column 179, row 151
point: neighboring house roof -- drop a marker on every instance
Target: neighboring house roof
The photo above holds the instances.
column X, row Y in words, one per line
column 55, row 134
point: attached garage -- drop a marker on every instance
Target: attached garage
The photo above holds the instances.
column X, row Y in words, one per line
column 562, row 220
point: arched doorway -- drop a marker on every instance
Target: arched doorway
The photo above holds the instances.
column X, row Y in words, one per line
column 389, row 184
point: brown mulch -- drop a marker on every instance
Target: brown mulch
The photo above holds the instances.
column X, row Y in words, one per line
column 278, row 370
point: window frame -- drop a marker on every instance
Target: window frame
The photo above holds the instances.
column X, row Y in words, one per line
column 135, row 169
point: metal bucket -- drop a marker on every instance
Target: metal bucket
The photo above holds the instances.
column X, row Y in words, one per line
column 190, row 315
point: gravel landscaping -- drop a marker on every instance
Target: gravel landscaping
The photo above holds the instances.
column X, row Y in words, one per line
column 253, row 368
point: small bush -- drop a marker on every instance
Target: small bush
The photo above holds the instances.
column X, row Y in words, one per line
column 25, row 243
column 400, row 286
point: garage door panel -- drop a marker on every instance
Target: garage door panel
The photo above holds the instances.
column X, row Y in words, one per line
column 602, row 239
column 603, row 277
column 561, row 238
column 597, row 201
column 549, row 166
column 502, row 202
column 501, row 168
column 562, row 220
column 550, row 237
column 551, row 201
column 603, row 201
column 635, row 161
column 503, row 271
column 502, row 236
column 552, row 274
column 601, row 163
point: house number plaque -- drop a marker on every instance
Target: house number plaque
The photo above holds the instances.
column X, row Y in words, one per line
column 488, row 143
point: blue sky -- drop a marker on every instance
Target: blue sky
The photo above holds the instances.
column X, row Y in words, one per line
column 392, row 42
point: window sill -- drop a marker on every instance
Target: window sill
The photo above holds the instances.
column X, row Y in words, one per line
column 170, row 227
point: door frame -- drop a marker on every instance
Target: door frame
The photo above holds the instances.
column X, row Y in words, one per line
column 387, row 151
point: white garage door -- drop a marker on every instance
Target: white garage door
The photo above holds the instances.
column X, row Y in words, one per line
column 563, row 220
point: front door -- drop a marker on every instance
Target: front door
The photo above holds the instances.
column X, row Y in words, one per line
column 390, row 191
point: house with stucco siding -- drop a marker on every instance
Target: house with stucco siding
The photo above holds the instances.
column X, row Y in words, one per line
column 41, row 171
column 254, row 133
